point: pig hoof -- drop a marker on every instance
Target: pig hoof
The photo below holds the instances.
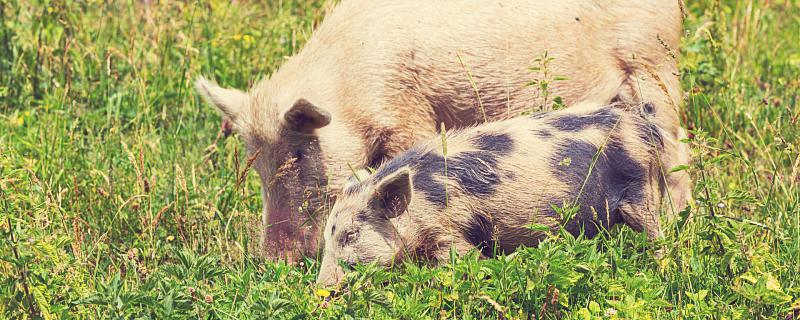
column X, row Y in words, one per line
column 226, row 128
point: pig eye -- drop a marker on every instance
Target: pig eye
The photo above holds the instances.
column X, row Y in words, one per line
column 298, row 155
column 349, row 237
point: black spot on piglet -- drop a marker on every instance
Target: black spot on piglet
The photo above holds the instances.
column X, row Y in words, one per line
column 542, row 133
column 604, row 118
column 650, row 134
column 500, row 143
column 479, row 233
column 602, row 177
column 476, row 172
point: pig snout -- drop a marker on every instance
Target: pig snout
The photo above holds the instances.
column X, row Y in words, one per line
column 330, row 273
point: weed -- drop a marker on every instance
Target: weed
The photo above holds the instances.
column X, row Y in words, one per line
column 542, row 82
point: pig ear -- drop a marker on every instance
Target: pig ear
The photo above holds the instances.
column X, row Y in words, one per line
column 230, row 102
column 393, row 193
column 305, row 117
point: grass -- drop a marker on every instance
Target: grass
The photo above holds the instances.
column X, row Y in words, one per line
column 119, row 198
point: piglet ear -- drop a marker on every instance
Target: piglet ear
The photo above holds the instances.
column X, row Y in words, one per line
column 230, row 102
column 305, row 117
column 393, row 193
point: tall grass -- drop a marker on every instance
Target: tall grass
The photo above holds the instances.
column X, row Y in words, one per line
column 119, row 197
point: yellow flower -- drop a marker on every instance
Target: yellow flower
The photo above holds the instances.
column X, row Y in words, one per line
column 663, row 264
column 16, row 121
column 237, row 37
column 248, row 39
column 322, row 293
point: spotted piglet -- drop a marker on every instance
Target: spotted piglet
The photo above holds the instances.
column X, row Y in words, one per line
column 484, row 187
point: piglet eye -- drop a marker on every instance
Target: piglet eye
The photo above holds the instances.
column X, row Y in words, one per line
column 350, row 237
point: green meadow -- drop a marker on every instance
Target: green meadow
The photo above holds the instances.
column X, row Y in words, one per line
column 121, row 199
